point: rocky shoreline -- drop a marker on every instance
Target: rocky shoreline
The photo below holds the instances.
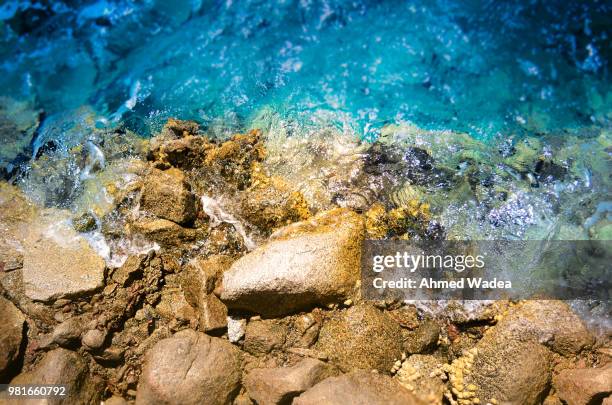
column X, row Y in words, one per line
column 196, row 271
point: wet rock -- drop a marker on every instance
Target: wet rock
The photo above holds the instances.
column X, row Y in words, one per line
column 167, row 195
column 274, row 386
column 59, row 263
column 11, row 335
column 263, row 336
column 584, row 386
column 358, row 388
column 423, row 339
column 85, row 222
column 270, row 203
column 234, row 159
column 314, row 262
column 63, row 367
column 362, row 337
column 180, row 128
column 164, row 232
column 190, row 368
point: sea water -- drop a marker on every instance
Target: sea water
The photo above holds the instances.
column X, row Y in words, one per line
column 488, row 68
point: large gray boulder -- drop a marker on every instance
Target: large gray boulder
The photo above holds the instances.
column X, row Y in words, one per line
column 358, row 388
column 190, row 368
column 314, row 262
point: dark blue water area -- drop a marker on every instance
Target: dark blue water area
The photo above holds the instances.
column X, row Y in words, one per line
column 489, row 68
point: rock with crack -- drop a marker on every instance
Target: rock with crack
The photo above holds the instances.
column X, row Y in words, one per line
column 358, row 388
column 11, row 335
column 63, row 367
column 278, row 386
column 314, row 262
column 190, row 368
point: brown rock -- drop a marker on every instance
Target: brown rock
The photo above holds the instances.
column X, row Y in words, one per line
column 190, row 368
column 422, row 339
column 270, row 203
column 67, row 333
column 358, row 388
column 584, row 386
column 63, row 367
column 201, row 276
column 173, row 305
column 167, row 195
column 513, row 361
column 262, row 336
column 315, row 262
column 164, row 232
column 549, row 322
column 129, row 270
column 362, row 337
column 212, row 313
column 11, row 335
column 198, row 281
column 115, row 401
column 94, row 339
column 58, row 262
column 275, row 386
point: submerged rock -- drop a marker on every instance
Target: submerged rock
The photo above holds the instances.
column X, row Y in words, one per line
column 11, row 335
column 63, row 367
column 362, row 337
column 190, row 368
column 584, row 386
column 18, row 123
column 358, row 388
column 276, row 386
column 315, row 262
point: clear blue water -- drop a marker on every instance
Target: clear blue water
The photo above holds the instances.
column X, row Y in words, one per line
column 486, row 67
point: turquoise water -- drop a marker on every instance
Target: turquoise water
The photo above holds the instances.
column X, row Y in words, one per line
column 489, row 68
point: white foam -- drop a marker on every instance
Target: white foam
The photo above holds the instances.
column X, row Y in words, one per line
column 218, row 215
